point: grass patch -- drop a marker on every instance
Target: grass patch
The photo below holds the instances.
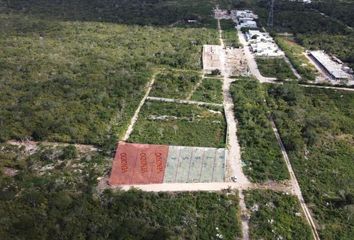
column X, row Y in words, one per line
column 229, row 33
column 276, row 68
column 296, row 56
column 209, row 91
column 175, row 84
column 260, row 150
column 276, row 216
column 317, row 128
column 179, row 124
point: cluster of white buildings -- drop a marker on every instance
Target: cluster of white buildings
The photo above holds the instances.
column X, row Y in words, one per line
column 332, row 66
column 244, row 18
column 262, row 44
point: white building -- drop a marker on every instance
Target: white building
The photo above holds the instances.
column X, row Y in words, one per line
column 245, row 14
column 248, row 24
column 333, row 68
column 262, row 44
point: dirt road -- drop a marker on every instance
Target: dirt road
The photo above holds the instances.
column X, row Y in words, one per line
column 183, row 101
column 252, row 65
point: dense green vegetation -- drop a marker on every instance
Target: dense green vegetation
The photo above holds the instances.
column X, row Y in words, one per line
column 73, row 81
column 295, row 54
column 341, row 10
column 317, row 128
column 53, row 196
column 175, row 84
column 179, row 124
column 312, row 29
column 229, row 33
column 275, row 67
column 260, row 150
column 209, row 91
column 276, row 216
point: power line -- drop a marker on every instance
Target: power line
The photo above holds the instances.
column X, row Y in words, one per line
column 271, row 13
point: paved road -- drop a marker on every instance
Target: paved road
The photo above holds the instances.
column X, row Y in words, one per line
column 295, row 184
column 183, row 101
column 252, row 64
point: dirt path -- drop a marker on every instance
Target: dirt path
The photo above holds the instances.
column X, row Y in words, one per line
column 234, row 154
column 183, row 101
column 190, row 95
column 328, row 87
column 137, row 111
column 31, row 146
column 216, row 186
column 295, row 184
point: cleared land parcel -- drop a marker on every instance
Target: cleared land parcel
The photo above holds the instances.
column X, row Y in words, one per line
column 179, row 124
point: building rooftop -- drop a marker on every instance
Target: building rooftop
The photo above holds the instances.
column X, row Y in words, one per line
column 335, row 69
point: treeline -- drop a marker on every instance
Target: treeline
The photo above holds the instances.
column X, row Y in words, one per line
column 146, row 12
column 341, row 10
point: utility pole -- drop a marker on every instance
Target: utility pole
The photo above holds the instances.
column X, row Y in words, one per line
column 271, row 13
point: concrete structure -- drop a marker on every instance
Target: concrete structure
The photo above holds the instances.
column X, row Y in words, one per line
column 211, row 58
column 334, row 68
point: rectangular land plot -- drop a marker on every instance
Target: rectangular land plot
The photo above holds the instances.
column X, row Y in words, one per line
column 180, row 125
column 174, row 83
column 183, row 164
column 194, row 164
column 209, row 91
column 138, row 164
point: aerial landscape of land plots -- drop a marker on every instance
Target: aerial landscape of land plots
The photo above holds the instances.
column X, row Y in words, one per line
column 163, row 119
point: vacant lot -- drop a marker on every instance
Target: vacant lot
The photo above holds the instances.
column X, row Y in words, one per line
column 317, row 128
column 260, row 150
column 178, row 124
column 229, row 33
column 276, row 67
column 296, row 55
column 209, row 91
column 276, row 216
column 52, row 196
column 175, row 84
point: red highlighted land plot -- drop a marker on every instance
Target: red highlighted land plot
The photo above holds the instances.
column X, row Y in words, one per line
column 138, row 164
